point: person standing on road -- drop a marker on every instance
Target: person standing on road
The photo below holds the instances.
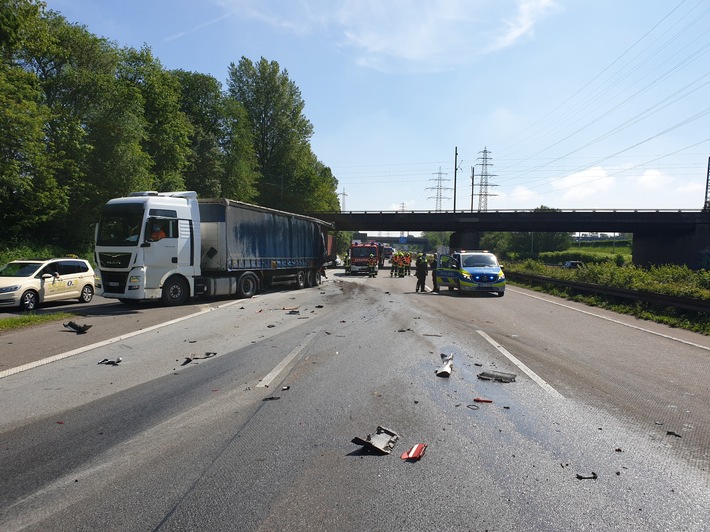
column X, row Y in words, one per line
column 434, row 263
column 371, row 266
column 421, row 271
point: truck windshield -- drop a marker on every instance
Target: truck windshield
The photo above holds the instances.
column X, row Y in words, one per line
column 362, row 252
column 120, row 225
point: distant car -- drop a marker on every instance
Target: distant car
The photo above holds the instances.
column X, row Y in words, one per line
column 571, row 264
column 470, row 271
column 29, row 283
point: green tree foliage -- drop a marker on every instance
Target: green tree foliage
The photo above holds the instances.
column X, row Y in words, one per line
column 526, row 243
column 290, row 172
column 436, row 239
column 83, row 120
column 168, row 129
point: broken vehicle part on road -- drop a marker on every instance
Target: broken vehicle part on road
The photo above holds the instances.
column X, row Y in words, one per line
column 383, row 440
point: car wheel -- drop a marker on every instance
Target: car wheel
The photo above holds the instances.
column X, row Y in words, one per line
column 501, row 293
column 29, row 300
column 175, row 292
column 87, row 294
column 248, row 285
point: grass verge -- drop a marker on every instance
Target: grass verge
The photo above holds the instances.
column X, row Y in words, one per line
column 29, row 319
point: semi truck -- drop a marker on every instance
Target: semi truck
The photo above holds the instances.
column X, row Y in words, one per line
column 173, row 246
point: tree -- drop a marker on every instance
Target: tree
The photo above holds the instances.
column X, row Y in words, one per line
column 527, row 243
column 289, row 170
column 168, row 129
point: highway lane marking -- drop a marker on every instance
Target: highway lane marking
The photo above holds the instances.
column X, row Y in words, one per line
column 530, row 373
column 618, row 322
column 285, row 362
column 60, row 356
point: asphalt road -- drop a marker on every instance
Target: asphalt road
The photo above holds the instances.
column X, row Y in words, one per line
column 257, row 436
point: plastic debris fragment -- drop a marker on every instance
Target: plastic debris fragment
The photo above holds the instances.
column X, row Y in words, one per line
column 78, row 329
column 415, row 453
column 499, row 376
column 482, row 400
column 110, row 362
column 593, row 476
column 447, row 367
column 383, row 440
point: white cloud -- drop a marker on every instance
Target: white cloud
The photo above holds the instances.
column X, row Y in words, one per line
column 653, row 180
column 522, row 24
column 416, row 35
column 584, row 184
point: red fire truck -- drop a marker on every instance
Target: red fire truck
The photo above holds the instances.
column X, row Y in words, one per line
column 360, row 254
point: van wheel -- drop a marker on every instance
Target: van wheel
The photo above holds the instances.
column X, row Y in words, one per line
column 247, row 285
column 87, row 294
column 175, row 292
column 29, row 300
column 300, row 279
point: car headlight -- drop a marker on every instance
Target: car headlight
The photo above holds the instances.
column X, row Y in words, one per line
column 7, row 289
column 466, row 275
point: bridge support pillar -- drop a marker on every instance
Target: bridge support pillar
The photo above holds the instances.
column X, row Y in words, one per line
column 465, row 240
column 691, row 249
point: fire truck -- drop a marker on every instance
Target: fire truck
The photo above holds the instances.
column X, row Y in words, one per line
column 360, row 254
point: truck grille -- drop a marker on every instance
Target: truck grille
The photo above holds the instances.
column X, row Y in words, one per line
column 114, row 282
column 115, row 260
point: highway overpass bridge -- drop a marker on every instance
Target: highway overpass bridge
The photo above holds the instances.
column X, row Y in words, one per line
column 659, row 236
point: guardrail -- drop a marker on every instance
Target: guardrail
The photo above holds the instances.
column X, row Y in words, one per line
column 686, row 303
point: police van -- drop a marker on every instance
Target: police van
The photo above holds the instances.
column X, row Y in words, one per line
column 470, row 271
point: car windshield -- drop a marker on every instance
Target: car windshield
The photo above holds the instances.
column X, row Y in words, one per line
column 19, row 269
column 478, row 261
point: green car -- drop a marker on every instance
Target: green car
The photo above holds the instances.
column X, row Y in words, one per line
column 470, row 271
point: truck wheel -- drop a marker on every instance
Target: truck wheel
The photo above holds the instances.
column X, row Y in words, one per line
column 300, row 279
column 175, row 292
column 319, row 280
column 248, row 285
column 310, row 278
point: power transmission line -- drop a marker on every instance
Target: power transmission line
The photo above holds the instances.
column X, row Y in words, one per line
column 439, row 188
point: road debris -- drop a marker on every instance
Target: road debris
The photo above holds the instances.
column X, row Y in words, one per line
column 109, row 362
column 673, row 433
column 447, row 367
column 78, row 329
column 499, row 376
column 482, row 400
column 593, row 476
column 382, row 441
column 415, row 453
column 293, row 312
column 272, row 398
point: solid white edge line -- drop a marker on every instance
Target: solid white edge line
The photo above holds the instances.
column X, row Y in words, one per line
column 530, row 373
column 38, row 363
column 266, row 381
column 618, row 322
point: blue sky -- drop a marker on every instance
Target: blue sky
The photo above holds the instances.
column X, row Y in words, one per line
column 601, row 104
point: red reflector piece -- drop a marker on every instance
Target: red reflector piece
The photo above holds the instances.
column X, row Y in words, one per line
column 415, row 453
column 482, row 400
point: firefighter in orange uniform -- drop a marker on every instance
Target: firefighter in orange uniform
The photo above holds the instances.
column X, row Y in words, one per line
column 371, row 266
